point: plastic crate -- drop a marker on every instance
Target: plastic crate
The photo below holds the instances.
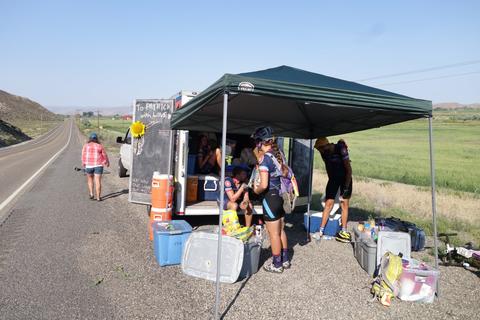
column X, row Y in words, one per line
column 169, row 238
column 365, row 250
column 251, row 258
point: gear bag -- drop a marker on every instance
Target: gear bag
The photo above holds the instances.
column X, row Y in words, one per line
column 288, row 184
column 386, row 285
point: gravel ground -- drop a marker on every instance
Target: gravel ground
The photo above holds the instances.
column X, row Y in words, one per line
column 94, row 262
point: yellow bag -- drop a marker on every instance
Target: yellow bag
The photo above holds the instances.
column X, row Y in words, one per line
column 230, row 221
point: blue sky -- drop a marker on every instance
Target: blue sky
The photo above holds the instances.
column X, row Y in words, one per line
column 107, row 53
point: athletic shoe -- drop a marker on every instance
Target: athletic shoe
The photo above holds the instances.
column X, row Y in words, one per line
column 286, row 264
column 91, row 197
column 271, row 268
column 343, row 236
column 316, row 236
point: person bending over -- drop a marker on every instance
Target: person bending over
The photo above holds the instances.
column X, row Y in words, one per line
column 339, row 171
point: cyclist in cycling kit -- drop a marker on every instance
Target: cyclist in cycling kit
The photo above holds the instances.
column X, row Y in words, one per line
column 339, row 171
column 272, row 203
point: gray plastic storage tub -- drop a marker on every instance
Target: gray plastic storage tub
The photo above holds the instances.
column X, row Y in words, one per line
column 365, row 252
column 200, row 257
column 251, row 258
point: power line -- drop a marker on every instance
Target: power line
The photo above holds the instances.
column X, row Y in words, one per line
column 458, row 64
column 433, row 78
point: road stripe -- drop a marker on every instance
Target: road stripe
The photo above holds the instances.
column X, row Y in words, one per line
column 16, row 192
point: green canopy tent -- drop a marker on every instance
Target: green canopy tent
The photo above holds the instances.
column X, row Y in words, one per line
column 297, row 104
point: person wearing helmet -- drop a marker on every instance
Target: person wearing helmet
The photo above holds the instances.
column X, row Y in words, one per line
column 94, row 158
column 339, row 171
column 272, row 203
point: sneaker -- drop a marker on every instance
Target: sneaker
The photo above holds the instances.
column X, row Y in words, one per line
column 271, row 268
column 316, row 236
column 343, row 236
column 286, row 264
column 91, row 197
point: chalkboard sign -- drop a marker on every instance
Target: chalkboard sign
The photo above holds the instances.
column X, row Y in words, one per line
column 300, row 163
column 153, row 151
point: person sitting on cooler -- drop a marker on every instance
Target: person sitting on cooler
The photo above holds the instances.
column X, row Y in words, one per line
column 236, row 194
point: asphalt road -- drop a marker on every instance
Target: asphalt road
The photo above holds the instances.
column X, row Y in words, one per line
column 63, row 256
column 20, row 162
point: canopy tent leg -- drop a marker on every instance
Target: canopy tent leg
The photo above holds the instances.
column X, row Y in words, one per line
column 434, row 204
column 310, row 181
column 220, row 213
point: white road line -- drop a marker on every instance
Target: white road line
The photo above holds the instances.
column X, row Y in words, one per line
column 14, row 194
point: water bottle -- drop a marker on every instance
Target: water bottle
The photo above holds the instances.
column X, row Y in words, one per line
column 258, row 233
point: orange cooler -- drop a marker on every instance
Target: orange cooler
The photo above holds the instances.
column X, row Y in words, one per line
column 158, row 215
column 162, row 186
column 192, row 189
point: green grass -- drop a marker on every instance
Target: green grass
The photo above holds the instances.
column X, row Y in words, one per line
column 109, row 129
column 35, row 128
column 400, row 152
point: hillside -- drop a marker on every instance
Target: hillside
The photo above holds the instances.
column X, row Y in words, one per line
column 14, row 109
column 23, row 119
column 455, row 105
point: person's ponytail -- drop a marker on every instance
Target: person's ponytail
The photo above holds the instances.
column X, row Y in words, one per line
column 279, row 156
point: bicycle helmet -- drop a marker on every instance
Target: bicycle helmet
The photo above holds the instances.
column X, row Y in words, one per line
column 262, row 134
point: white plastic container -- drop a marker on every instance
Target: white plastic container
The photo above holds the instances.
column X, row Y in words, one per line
column 395, row 242
column 200, row 257
column 418, row 282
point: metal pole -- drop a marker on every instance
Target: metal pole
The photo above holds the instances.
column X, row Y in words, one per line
column 434, row 204
column 310, row 180
column 220, row 209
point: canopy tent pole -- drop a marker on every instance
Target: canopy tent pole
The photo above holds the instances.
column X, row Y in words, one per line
column 434, row 204
column 310, row 180
column 220, row 209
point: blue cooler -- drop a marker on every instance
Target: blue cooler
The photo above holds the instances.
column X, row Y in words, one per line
column 191, row 164
column 208, row 188
column 169, row 238
column 332, row 227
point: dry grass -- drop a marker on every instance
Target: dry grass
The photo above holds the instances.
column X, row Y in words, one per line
column 457, row 211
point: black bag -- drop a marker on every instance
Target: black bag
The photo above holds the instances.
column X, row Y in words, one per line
column 417, row 235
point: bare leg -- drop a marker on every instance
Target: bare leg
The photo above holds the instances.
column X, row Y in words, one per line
column 326, row 211
column 232, row 206
column 246, row 206
column 344, row 204
column 283, row 235
column 98, row 185
column 273, row 228
column 90, row 184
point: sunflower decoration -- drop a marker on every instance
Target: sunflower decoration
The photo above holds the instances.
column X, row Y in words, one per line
column 137, row 129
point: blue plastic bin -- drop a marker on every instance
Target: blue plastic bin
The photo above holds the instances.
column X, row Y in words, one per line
column 332, row 227
column 192, row 164
column 169, row 238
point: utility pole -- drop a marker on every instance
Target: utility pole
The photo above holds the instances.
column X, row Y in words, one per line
column 98, row 119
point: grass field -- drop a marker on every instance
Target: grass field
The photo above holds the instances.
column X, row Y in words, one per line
column 401, row 152
column 109, row 129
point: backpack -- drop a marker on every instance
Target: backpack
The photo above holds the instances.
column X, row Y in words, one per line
column 386, row 285
column 288, row 184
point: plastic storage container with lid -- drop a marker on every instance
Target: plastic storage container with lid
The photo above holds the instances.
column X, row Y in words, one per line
column 200, row 257
column 365, row 250
column 418, row 281
column 169, row 238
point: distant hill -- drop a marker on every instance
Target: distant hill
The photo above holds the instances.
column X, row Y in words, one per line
column 454, row 105
column 15, row 108
column 106, row 111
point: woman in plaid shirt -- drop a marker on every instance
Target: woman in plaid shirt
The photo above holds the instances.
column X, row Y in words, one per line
column 94, row 158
